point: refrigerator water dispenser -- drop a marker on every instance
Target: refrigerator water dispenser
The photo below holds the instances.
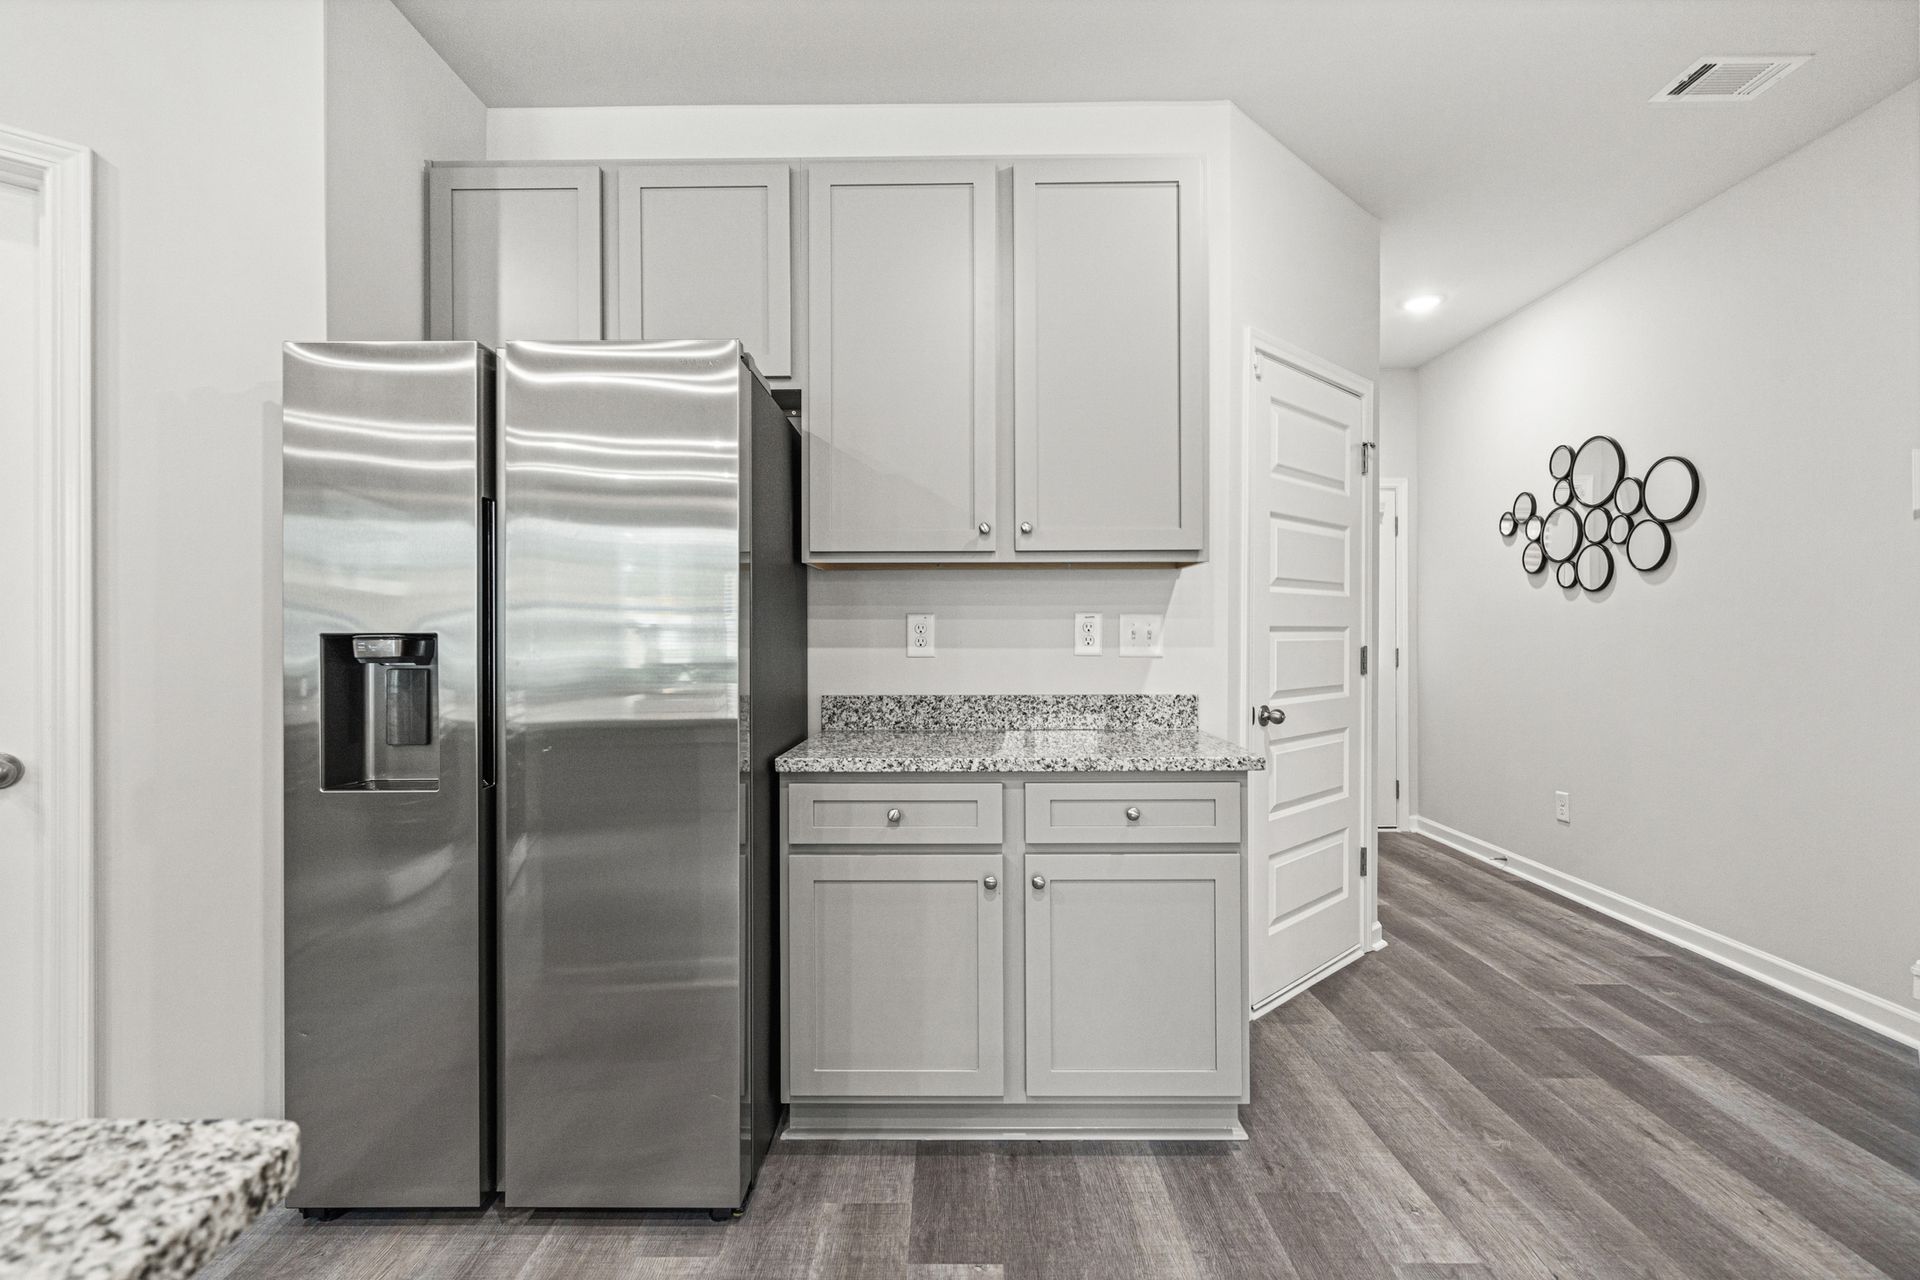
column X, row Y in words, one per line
column 377, row 713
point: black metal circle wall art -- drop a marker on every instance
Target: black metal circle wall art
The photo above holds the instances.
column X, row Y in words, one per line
column 1594, row 566
column 1649, row 545
column 1671, row 489
column 1597, row 507
column 1597, row 470
column 1561, row 537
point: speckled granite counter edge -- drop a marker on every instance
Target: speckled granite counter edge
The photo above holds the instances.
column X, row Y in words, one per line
column 119, row 1199
column 975, row 712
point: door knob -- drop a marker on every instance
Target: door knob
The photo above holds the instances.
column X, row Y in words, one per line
column 1268, row 715
column 893, row 815
column 992, row 882
column 1039, row 882
column 11, row 770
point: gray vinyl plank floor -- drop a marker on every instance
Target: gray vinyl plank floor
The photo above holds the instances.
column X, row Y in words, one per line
column 1515, row 1087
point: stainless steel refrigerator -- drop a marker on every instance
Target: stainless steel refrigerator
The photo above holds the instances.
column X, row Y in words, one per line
column 545, row 629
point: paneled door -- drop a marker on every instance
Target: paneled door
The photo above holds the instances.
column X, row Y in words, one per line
column 1311, row 510
column 703, row 251
column 513, row 252
column 901, row 349
column 894, row 975
column 1133, row 974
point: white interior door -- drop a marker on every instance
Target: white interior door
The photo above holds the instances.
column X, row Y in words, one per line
column 1310, row 507
column 1388, row 784
column 21, row 731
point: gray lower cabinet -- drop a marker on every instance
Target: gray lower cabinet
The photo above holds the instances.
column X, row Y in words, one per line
column 513, row 252
column 895, row 979
column 704, row 251
column 1109, row 356
column 900, row 407
column 1133, row 975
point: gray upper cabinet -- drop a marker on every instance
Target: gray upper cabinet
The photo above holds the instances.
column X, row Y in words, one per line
column 1109, row 356
column 1133, row 975
column 514, row 252
column 704, row 251
column 900, row 414
column 895, row 975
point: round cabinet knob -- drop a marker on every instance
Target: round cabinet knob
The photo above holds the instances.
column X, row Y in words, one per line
column 985, row 528
column 992, row 882
column 1039, row 882
column 1133, row 814
column 893, row 815
column 11, row 770
column 1026, row 526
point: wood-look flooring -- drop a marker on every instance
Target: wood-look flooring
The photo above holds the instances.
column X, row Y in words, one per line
column 1515, row 1087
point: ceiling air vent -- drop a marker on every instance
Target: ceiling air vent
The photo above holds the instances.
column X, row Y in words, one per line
column 1733, row 78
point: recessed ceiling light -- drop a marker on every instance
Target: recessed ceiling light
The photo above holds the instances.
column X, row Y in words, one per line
column 1421, row 303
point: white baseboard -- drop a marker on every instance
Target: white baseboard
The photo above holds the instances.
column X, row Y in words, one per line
column 1871, row 1011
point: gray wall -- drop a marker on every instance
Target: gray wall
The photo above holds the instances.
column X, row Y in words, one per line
column 392, row 105
column 1740, row 732
column 209, row 251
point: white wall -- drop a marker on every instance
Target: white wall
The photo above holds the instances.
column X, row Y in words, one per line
column 1313, row 282
column 1740, row 731
column 392, row 105
column 207, row 122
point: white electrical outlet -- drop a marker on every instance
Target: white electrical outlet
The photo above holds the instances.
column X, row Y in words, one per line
column 1086, row 635
column 920, row 635
column 1915, row 971
column 1562, row 807
column 1140, row 635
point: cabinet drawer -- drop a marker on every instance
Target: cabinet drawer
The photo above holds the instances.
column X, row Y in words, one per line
column 1133, row 813
column 885, row 813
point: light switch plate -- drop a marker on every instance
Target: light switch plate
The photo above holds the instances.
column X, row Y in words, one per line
column 1140, row 635
column 920, row 635
column 1086, row 635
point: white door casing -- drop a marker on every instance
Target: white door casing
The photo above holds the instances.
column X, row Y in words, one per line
column 1390, row 773
column 46, row 647
column 1310, row 557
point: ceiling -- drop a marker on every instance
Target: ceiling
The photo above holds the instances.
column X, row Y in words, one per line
column 1505, row 145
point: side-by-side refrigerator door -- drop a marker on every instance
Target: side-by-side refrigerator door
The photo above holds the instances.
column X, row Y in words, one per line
column 621, row 904
column 387, row 867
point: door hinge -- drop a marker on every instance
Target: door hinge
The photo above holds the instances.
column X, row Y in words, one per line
column 1396, row 526
column 1366, row 452
column 1363, row 860
column 1396, row 788
column 1256, row 369
column 1363, row 659
column 1396, row 657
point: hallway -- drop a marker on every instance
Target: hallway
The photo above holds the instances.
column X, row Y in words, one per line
column 1515, row 1087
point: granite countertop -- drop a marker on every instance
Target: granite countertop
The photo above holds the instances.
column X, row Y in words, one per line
column 118, row 1199
column 1024, row 733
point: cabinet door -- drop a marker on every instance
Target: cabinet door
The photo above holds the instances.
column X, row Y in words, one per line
column 514, row 253
column 1133, row 975
column 703, row 251
column 900, row 402
column 894, row 975
column 1110, row 356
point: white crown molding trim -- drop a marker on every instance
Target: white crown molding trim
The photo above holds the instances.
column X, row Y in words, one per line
column 62, row 174
column 1863, row 1007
